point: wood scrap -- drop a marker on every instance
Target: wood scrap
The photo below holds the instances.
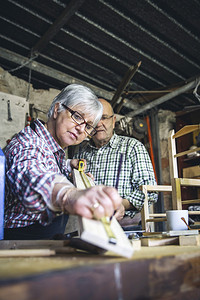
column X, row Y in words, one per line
column 181, row 232
column 26, row 252
column 159, row 241
column 189, row 240
column 30, row 244
column 136, row 244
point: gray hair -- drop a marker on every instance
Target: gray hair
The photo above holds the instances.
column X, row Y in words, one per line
column 75, row 94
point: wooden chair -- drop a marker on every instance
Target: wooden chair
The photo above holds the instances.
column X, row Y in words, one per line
column 176, row 181
column 149, row 217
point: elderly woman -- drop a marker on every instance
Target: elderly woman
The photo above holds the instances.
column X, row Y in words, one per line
column 39, row 194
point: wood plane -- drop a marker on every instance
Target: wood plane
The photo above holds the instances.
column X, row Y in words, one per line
column 94, row 232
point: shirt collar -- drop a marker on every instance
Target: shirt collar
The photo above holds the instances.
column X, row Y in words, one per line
column 42, row 132
column 113, row 142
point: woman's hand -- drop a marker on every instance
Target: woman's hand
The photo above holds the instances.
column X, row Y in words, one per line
column 95, row 202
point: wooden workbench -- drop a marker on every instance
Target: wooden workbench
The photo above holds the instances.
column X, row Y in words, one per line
column 167, row 272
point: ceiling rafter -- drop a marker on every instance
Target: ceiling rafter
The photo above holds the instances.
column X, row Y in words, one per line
column 68, row 12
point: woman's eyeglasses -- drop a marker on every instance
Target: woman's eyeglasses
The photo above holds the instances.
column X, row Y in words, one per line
column 78, row 119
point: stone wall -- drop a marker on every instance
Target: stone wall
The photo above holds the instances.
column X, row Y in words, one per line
column 40, row 98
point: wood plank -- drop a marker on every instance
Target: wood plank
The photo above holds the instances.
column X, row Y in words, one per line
column 136, row 244
column 145, row 209
column 60, row 246
column 181, row 232
column 27, row 244
column 185, row 130
column 26, row 252
column 187, row 152
column 190, row 181
column 155, row 242
column 157, row 220
column 157, row 215
column 193, row 240
column 159, row 188
column 191, row 172
column 190, row 201
column 190, row 212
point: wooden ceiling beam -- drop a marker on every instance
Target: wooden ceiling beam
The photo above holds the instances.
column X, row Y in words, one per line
column 68, row 12
column 123, row 84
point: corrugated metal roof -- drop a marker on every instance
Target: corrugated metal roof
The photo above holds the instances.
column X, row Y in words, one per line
column 96, row 42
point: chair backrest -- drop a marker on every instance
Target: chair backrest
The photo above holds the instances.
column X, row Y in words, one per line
column 149, row 218
column 176, row 181
column 2, row 192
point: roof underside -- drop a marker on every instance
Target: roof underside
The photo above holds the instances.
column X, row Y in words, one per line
column 101, row 44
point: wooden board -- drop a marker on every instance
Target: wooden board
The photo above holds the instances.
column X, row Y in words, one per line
column 30, row 244
column 26, row 252
column 181, row 232
column 93, row 231
column 191, row 172
column 192, row 240
column 156, row 241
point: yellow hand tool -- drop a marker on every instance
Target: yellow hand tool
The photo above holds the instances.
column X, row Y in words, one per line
column 81, row 166
column 105, row 220
column 83, row 175
column 106, row 223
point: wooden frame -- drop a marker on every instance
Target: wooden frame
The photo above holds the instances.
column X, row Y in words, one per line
column 147, row 217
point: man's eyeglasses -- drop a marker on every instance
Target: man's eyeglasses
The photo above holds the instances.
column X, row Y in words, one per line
column 105, row 117
column 78, row 119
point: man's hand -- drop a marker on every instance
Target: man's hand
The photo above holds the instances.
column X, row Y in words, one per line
column 120, row 212
column 74, row 163
column 127, row 204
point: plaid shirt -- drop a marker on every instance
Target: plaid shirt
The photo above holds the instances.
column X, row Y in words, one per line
column 136, row 169
column 34, row 163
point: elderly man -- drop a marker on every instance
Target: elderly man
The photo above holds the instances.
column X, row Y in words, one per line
column 105, row 151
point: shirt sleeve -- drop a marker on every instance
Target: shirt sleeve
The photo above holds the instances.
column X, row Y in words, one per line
column 142, row 174
column 32, row 173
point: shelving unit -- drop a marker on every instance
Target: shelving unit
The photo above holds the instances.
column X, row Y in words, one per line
column 188, row 165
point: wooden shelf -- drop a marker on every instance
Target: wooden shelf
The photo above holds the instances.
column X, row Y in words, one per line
column 183, row 144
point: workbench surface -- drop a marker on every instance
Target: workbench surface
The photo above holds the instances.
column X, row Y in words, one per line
column 166, row 272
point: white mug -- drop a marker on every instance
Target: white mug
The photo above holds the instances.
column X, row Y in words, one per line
column 174, row 221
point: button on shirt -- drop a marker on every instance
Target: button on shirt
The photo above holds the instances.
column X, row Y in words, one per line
column 34, row 163
column 136, row 168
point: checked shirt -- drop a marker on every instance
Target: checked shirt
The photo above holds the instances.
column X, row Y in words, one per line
column 136, row 168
